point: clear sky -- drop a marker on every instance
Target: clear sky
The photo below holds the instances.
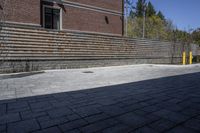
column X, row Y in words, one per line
column 185, row 14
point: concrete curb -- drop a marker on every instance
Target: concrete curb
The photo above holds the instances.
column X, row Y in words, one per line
column 19, row 75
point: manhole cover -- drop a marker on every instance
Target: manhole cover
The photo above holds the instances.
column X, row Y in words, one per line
column 88, row 72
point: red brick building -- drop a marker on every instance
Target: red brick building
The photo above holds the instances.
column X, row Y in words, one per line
column 98, row 16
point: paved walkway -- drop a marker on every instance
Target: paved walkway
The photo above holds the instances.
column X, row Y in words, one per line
column 57, row 81
column 141, row 99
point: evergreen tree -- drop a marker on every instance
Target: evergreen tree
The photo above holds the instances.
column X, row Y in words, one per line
column 160, row 15
column 132, row 14
column 140, row 8
column 150, row 11
column 157, row 26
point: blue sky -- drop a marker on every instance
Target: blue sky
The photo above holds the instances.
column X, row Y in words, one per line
column 185, row 14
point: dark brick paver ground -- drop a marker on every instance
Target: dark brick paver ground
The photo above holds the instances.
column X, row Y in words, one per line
column 170, row 104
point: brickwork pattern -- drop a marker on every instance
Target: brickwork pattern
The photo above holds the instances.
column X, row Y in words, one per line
column 87, row 20
column 23, row 11
column 107, row 4
column 168, row 105
column 74, row 18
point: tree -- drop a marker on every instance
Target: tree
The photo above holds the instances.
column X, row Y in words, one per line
column 156, row 25
column 161, row 16
column 132, row 14
column 170, row 30
column 155, row 28
column 135, row 27
column 150, row 11
column 196, row 36
column 127, row 7
column 140, row 7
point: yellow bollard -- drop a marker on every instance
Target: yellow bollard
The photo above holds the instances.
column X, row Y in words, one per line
column 184, row 58
column 191, row 57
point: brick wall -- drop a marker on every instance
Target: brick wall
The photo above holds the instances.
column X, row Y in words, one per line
column 25, row 11
column 108, row 4
column 91, row 21
column 29, row 11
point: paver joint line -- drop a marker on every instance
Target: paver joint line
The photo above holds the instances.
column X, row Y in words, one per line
column 168, row 102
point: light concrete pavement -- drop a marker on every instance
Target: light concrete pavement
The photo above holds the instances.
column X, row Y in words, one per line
column 55, row 81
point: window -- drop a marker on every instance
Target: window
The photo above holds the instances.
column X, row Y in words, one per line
column 52, row 18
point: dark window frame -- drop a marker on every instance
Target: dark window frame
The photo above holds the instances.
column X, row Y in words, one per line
column 53, row 12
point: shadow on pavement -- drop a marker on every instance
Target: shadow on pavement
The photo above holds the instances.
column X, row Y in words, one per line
column 158, row 105
column 19, row 75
